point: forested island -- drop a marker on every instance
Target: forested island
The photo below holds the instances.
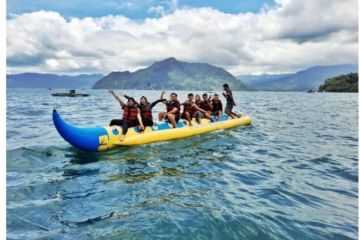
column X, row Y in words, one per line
column 341, row 83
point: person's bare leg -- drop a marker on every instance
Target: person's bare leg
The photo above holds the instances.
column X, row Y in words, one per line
column 125, row 127
column 171, row 118
column 162, row 116
column 121, row 137
column 237, row 115
column 188, row 118
column 219, row 116
column 229, row 114
column 197, row 117
column 208, row 115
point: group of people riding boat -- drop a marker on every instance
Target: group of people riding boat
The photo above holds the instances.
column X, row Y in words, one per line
column 140, row 113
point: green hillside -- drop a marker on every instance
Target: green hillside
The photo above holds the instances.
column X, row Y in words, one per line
column 342, row 83
column 172, row 74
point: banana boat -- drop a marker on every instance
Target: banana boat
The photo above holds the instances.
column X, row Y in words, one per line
column 103, row 138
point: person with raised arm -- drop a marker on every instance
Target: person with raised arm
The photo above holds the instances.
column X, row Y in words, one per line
column 146, row 109
column 131, row 115
column 172, row 113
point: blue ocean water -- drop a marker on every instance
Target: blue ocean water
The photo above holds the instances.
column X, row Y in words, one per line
column 293, row 174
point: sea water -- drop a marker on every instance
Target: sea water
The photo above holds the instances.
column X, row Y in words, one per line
column 293, row 174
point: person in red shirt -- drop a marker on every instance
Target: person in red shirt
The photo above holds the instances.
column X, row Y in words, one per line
column 200, row 112
column 190, row 108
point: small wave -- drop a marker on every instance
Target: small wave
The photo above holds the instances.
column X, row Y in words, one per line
column 324, row 160
column 353, row 139
column 329, row 189
column 80, row 172
column 88, row 221
column 74, row 195
column 261, row 151
column 344, row 173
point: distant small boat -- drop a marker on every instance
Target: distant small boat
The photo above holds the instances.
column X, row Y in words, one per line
column 310, row 91
column 71, row 93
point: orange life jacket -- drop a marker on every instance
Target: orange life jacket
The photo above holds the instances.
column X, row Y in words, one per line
column 130, row 113
column 145, row 112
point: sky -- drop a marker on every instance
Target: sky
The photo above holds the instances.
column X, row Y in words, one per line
column 244, row 37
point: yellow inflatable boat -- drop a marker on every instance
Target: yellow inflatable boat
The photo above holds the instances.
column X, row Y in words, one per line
column 104, row 138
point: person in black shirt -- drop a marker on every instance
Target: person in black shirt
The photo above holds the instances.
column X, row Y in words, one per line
column 230, row 103
column 172, row 113
column 217, row 107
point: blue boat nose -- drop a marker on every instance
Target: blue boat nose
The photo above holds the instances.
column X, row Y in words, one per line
column 86, row 139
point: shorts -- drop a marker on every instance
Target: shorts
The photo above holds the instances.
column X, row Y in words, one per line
column 199, row 114
column 177, row 118
column 184, row 117
column 229, row 106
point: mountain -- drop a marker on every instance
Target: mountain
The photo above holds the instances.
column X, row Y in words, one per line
column 256, row 81
column 308, row 79
column 39, row 80
column 342, row 83
column 172, row 74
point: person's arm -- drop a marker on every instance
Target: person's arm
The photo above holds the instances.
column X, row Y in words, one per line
column 162, row 97
column 111, row 91
column 210, row 104
column 174, row 110
column 140, row 119
column 151, row 105
column 127, row 97
column 177, row 107
column 199, row 109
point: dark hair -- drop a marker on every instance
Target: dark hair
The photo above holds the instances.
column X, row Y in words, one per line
column 131, row 99
column 190, row 94
column 173, row 94
column 144, row 98
column 226, row 85
column 204, row 94
column 216, row 94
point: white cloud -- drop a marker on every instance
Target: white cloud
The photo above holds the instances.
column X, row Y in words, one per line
column 289, row 37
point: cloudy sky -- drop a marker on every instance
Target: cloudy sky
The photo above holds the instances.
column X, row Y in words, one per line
column 244, row 37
